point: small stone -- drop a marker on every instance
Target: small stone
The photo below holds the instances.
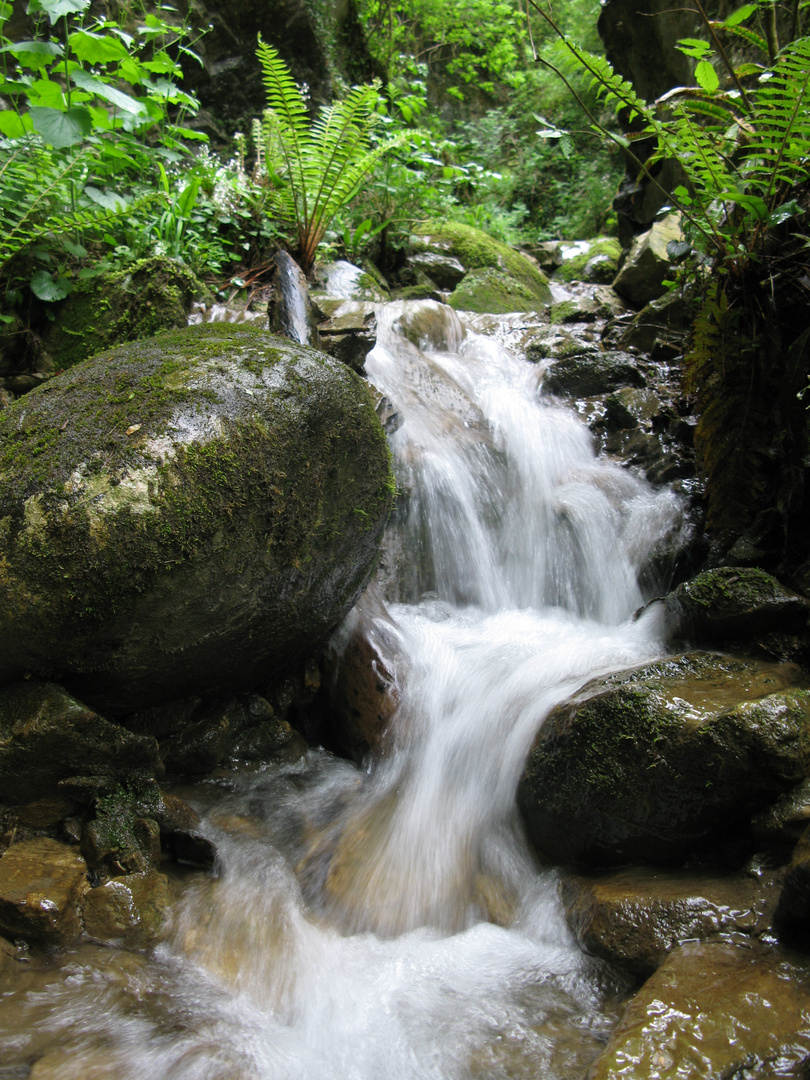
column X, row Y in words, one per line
column 41, row 886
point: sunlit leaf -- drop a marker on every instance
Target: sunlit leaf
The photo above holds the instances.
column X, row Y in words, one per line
column 706, row 76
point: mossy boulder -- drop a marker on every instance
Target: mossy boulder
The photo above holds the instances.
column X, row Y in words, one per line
column 474, row 250
column 493, row 292
column 185, row 514
column 661, row 761
column 594, row 260
column 730, row 603
column 123, row 305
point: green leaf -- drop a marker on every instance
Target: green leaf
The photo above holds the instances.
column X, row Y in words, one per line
column 188, row 197
column 752, row 203
column 738, row 16
column 97, row 48
column 35, row 55
column 60, row 129
column 48, row 288
column 6, row 10
column 55, row 9
column 108, row 199
column 103, row 90
column 694, row 47
column 46, row 92
column 75, row 249
column 14, row 126
column 706, row 76
column 785, row 212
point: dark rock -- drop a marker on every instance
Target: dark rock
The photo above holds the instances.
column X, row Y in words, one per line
column 41, row 887
column 665, row 759
column 192, row 849
column 290, row 311
column 443, row 269
column 47, row 736
column 592, row 373
column 733, row 602
column 702, row 1014
column 663, row 322
column 635, row 917
column 647, row 263
column 350, row 338
column 217, row 529
column 793, row 912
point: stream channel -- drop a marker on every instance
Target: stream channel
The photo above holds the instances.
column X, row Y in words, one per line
column 390, row 921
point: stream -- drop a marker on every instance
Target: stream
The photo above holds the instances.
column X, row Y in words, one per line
column 390, row 921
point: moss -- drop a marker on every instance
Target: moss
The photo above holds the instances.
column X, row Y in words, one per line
column 599, row 263
column 477, row 251
column 493, row 291
column 736, row 587
column 124, row 305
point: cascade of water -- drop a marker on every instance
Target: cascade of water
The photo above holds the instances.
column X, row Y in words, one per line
column 391, row 923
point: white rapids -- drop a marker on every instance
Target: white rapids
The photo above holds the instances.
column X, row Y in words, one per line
column 389, row 923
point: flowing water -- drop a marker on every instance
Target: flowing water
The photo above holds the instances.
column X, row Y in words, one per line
column 389, row 922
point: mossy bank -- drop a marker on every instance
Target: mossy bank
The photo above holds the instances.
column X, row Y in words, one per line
column 186, row 513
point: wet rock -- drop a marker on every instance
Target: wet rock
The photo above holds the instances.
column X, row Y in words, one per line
column 474, row 250
column 191, row 848
column 592, row 373
column 41, row 887
column 661, row 326
column 733, row 603
column 496, row 292
column 46, row 735
column 7, row 958
column 648, row 264
column 220, row 526
column 344, row 281
column 635, row 917
column 594, row 260
column 793, row 912
column 350, row 337
column 780, row 826
column 714, row 1011
column 363, row 693
column 131, row 910
column 290, row 311
column 445, row 270
column 665, row 759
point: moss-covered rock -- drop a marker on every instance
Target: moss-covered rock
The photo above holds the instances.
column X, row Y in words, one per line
column 594, row 260
column 122, row 305
column 474, row 250
column 734, row 602
column 659, row 761
column 185, row 514
column 493, row 292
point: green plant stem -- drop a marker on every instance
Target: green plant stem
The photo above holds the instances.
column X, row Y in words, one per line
column 771, row 32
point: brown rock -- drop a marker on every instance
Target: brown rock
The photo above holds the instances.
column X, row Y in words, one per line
column 714, row 1011
column 793, row 912
column 41, row 885
column 132, row 909
column 636, row 916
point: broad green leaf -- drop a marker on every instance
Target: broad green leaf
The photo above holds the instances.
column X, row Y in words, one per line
column 6, row 10
column 97, row 48
column 103, row 90
column 188, row 198
column 740, row 15
column 785, row 212
column 55, row 9
column 48, row 288
column 61, row 129
column 706, row 76
column 752, row 203
column 131, row 71
column 187, row 133
column 46, row 92
column 694, row 47
column 75, row 249
column 35, row 55
column 162, row 64
column 108, row 199
column 14, row 126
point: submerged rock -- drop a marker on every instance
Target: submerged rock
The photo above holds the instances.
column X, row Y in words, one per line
column 714, row 1011
column 185, row 514
column 658, row 761
column 41, row 886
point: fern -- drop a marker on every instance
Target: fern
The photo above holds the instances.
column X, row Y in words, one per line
column 37, row 190
column 325, row 162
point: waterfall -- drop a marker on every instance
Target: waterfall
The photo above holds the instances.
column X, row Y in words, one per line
column 390, row 921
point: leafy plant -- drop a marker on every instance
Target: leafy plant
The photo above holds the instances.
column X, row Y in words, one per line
column 320, row 165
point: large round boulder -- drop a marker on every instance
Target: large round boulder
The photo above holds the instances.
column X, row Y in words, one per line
column 184, row 514
column 660, row 761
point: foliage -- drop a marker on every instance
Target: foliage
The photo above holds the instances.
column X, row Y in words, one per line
column 321, row 165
